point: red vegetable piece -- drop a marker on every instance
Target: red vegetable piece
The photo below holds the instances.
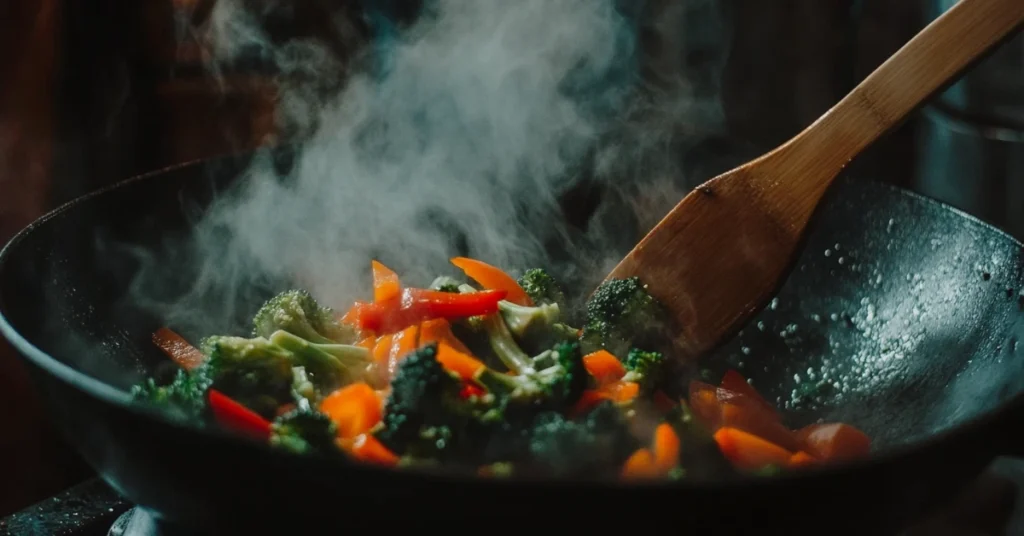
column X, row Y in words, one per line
column 238, row 418
column 415, row 305
column 835, row 441
column 735, row 382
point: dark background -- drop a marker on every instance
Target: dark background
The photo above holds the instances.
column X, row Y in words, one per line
column 95, row 92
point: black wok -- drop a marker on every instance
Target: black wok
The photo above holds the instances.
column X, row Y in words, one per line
column 909, row 310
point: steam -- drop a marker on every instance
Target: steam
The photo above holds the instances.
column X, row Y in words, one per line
column 460, row 135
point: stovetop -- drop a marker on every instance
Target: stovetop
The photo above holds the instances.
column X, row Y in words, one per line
column 994, row 507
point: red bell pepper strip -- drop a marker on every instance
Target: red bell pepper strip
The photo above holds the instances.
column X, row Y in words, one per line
column 416, row 305
column 178, row 349
column 238, row 418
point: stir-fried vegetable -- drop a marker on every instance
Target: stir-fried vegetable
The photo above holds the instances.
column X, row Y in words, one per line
column 492, row 381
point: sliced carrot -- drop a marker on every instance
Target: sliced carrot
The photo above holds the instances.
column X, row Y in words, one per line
column 465, row 365
column 751, row 417
column 177, row 348
column 666, row 447
column 401, row 344
column 492, row 278
column 618, row 392
column 640, row 464
column 604, row 367
column 368, row 343
column 355, row 409
column 386, row 285
column 703, row 400
column 440, row 330
column 801, row 459
column 735, row 382
column 836, row 441
column 747, row 451
column 367, row 448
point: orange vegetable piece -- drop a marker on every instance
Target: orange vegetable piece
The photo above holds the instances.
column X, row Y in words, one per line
column 178, row 349
column 801, row 459
column 618, row 392
column 640, row 464
column 401, row 344
column 836, row 441
column 703, row 400
column 355, row 409
column 367, row 448
column 666, row 447
column 751, row 417
column 386, row 285
column 492, row 278
column 604, row 367
column 439, row 330
column 735, row 382
column 368, row 343
column 749, row 452
column 465, row 365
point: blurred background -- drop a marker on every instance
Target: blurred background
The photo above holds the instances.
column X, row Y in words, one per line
column 95, row 92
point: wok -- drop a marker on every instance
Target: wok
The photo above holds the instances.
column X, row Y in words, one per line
column 909, row 310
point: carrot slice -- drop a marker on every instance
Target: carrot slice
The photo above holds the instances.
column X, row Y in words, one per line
column 604, row 367
column 640, row 464
column 735, row 382
column 465, row 365
column 493, row 278
column 703, row 399
column 367, row 448
column 801, row 459
column 836, row 441
column 355, row 409
column 177, row 348
column 386, row 285
column 751, row 417
column 440, row 330
column 618, row 392
column 747, row 451
column 666, row 447
column 401, row 344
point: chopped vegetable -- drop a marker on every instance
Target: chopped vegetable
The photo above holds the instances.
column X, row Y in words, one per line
column 493, row 278
column 489, row 382
column 178, row 349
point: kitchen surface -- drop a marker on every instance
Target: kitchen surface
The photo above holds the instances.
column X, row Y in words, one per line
column 94, row 93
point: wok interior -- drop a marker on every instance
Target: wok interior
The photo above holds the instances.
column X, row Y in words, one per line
column 901, row 316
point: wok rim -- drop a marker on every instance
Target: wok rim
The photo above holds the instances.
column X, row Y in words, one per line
column 108, row 394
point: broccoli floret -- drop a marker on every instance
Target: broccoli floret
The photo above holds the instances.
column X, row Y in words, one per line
column 184, row 397
column 525, row 321
column 304, row 431
column 425, row 415
column 621, row 314
column 328, row 365
column 593, row 446
column 559, row 385
column 541, row 287
column 445, row 284
column 255, row 372
column 645, row 368
column 296, row 312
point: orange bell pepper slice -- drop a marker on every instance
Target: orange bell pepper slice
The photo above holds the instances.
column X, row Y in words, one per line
column 465, row 365
column 640, row 465
column 355, row 409
column 178, row 349
column 440, row 330
column 666, row 447
column 386, row 285
column 493, row 278
column 368, row 449
column 604, row 367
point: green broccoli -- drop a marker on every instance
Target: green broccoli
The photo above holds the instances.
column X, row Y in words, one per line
column 558, row 385
column 593, row 446
column 255, row 372
column 621, row 314
column 328, row 365
column 184, row 397
column 541, row 287
column 645, row 368
column 304, row 431
column 445, row 284
column 524, row 321
column 296, row 312
column 425, row 416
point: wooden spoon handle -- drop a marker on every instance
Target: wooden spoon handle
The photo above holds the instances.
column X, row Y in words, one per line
column 947, row 46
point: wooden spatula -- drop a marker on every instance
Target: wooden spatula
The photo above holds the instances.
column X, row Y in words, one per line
column 724, row 249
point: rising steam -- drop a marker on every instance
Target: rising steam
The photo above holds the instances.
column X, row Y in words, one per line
column 459, row 137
